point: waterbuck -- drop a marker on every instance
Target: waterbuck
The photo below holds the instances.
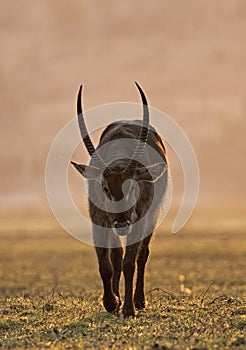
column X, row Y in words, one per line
column 126, row 185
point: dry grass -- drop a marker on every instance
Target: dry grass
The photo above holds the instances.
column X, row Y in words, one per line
column 51, row 294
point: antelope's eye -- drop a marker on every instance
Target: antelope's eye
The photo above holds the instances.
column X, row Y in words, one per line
column 105, row 189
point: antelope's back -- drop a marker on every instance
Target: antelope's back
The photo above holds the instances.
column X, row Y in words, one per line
column 132, row 129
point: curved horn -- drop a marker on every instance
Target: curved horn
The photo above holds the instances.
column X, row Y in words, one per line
column 143, row 136
column 84, row 133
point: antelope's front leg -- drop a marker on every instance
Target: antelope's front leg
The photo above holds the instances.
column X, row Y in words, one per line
column 139, row 300
column 128, row 270
column 116, row 258
column 110, row 302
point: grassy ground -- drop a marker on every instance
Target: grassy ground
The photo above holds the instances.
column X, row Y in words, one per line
column 50, row 294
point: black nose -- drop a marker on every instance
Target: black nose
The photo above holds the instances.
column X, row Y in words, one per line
column 122, row 224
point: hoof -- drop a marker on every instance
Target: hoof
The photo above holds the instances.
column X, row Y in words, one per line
column 112, row 305
column 139, row 304
column 127, row 312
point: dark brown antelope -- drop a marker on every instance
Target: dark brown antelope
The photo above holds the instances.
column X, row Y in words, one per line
column 126, row 184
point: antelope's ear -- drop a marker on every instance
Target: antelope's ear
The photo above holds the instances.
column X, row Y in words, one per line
column 150, row 173
column 88, row 171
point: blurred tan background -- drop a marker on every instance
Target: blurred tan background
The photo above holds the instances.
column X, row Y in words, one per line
column 189, row 56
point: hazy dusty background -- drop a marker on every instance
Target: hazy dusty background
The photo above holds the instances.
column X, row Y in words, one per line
column 189, row 56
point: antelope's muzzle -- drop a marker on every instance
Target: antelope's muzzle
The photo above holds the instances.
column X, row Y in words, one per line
column 122, row 228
